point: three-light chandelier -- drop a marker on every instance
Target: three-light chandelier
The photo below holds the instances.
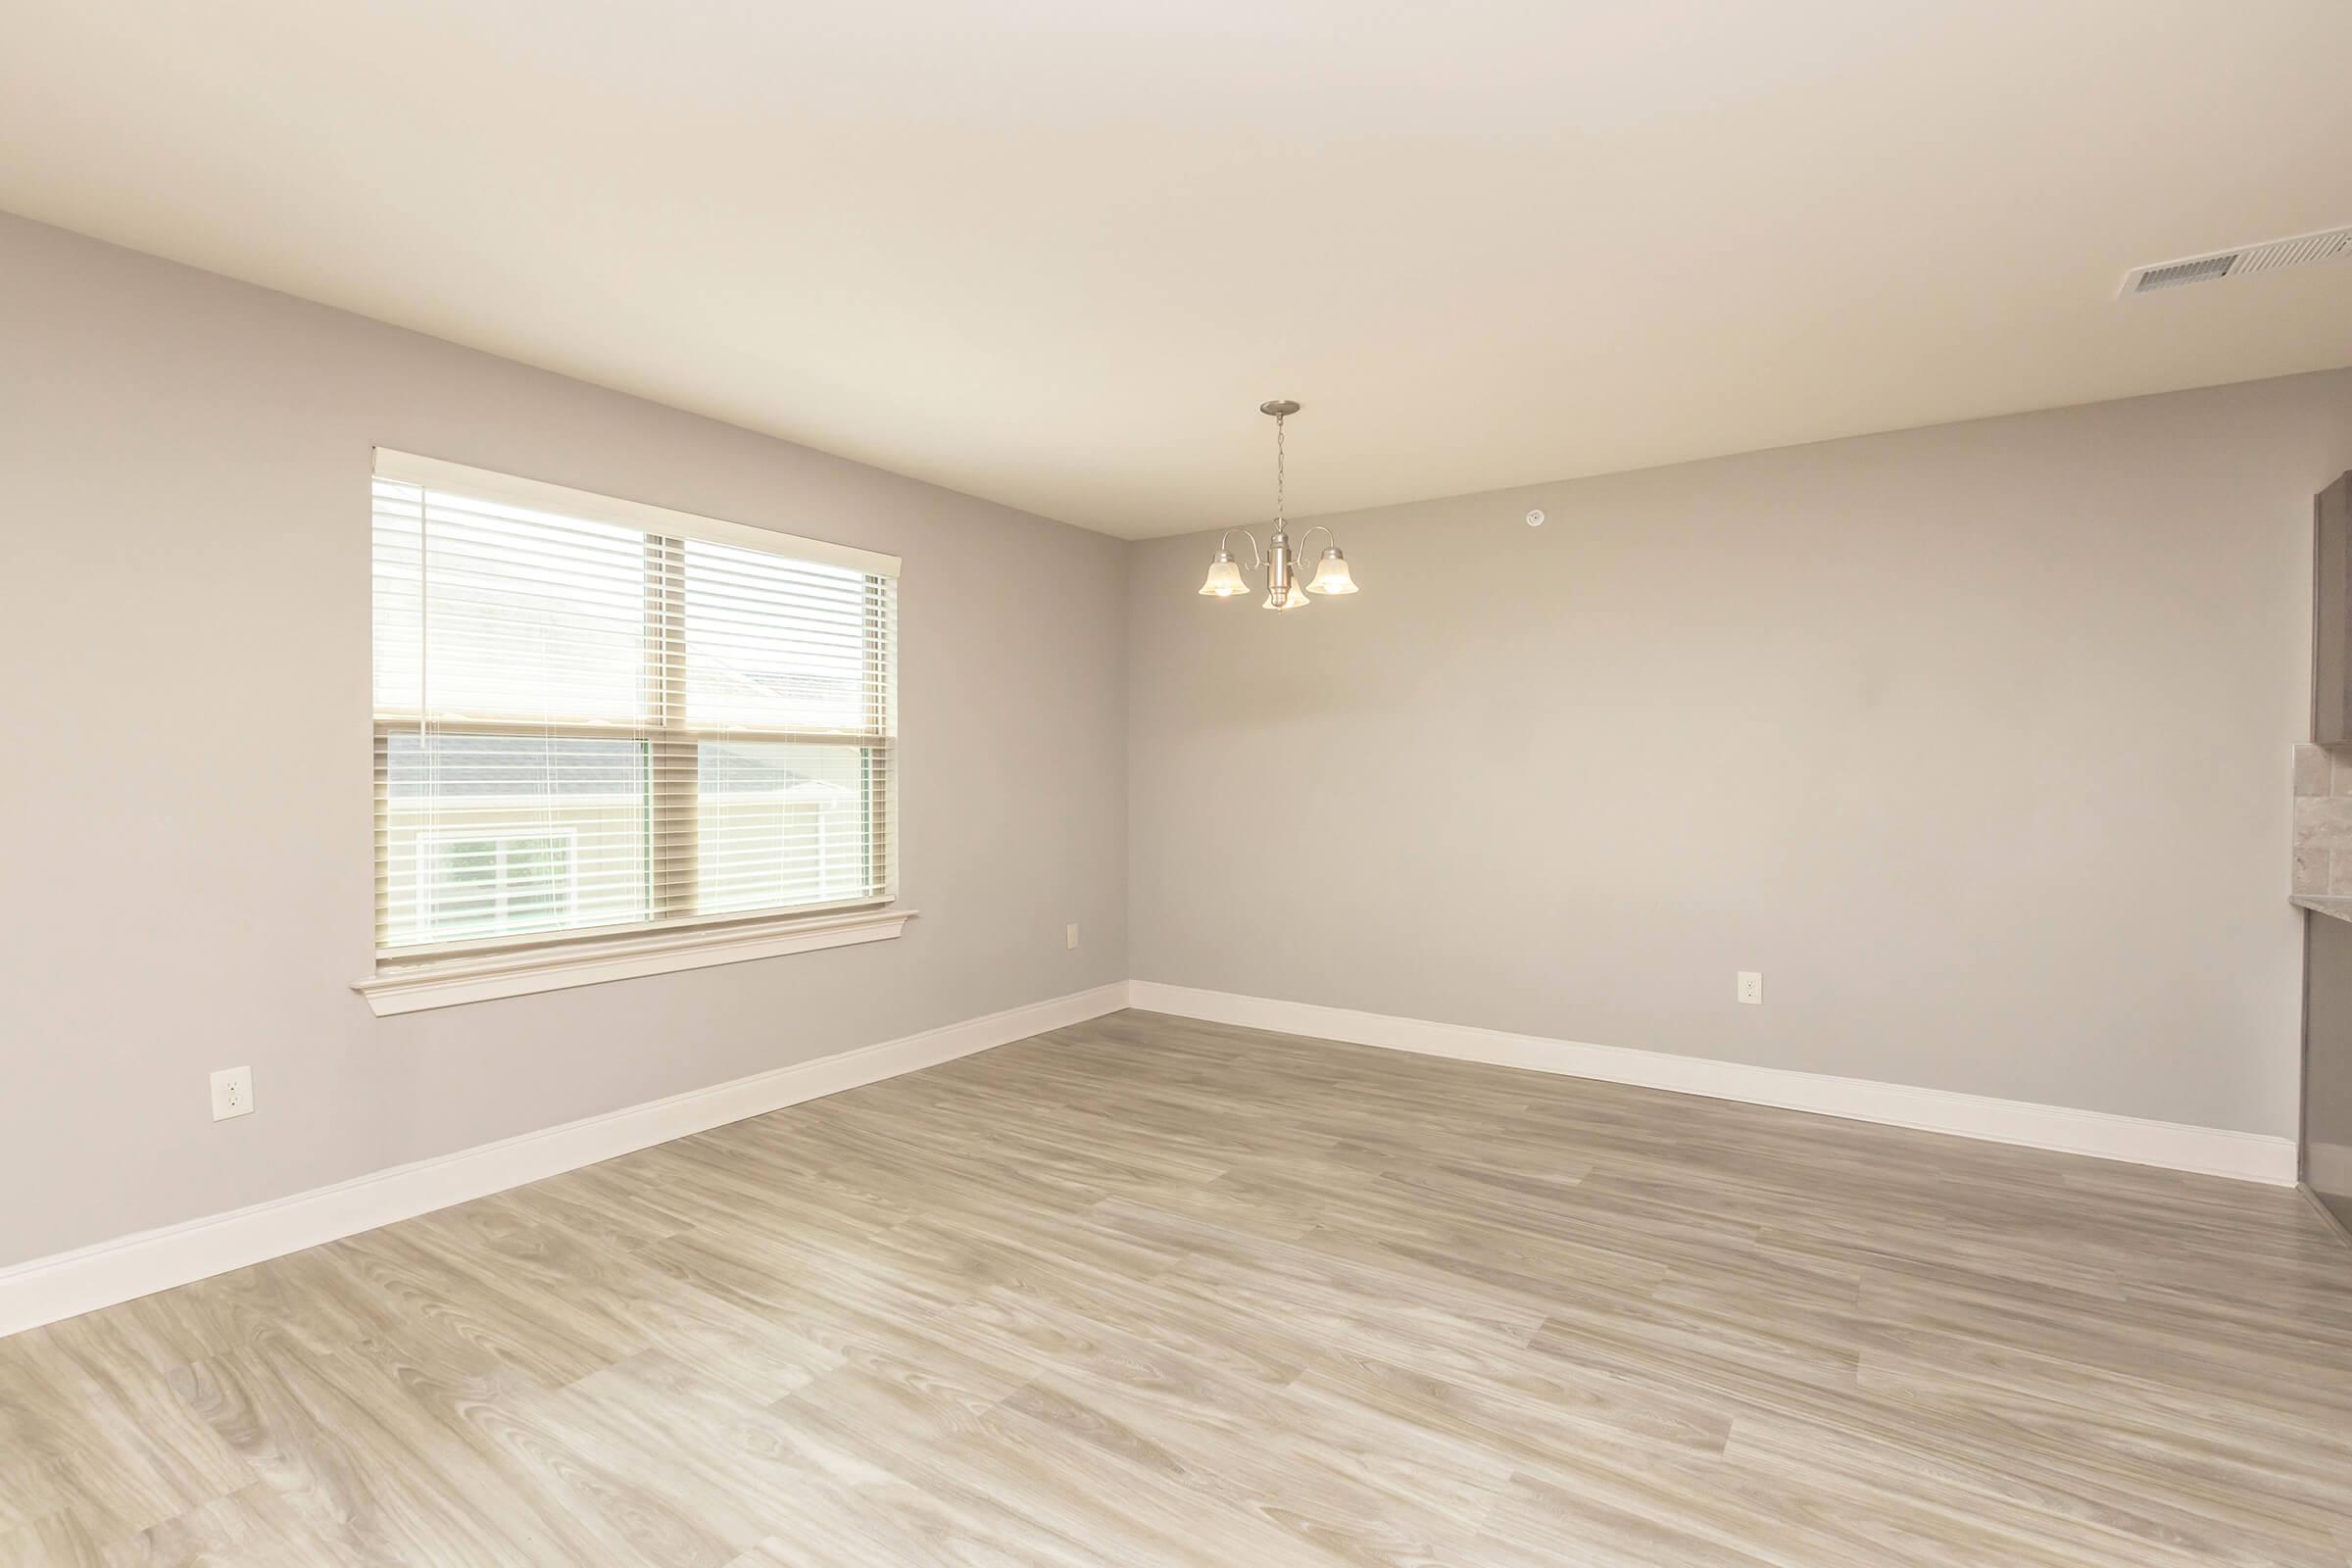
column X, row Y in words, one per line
column 1280, row 562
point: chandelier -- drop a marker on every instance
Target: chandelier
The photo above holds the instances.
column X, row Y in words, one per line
column 1280, row 562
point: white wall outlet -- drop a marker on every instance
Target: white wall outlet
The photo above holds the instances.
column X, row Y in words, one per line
column 1751, row 988
column 1072, row 934
column 232, row 1092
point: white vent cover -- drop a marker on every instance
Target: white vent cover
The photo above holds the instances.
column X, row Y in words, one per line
column 2304, row 250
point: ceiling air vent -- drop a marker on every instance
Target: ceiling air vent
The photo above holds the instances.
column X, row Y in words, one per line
column 2304, row 250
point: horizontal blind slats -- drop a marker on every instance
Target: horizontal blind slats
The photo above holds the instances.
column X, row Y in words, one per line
column 586, row 727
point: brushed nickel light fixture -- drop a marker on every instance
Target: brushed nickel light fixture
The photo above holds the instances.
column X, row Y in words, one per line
column 1280, row 562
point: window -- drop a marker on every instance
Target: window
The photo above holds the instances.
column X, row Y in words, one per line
column 505, row 882
column 596, row 718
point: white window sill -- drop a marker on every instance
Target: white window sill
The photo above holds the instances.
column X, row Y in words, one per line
column 450, row 982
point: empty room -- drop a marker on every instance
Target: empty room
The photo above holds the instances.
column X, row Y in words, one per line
column 1176, row 786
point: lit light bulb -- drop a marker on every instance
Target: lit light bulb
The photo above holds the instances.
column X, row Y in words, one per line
column 1224, row 578
column 1331, row 575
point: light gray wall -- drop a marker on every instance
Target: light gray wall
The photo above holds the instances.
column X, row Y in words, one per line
column 184, row 759
column 1974, row 739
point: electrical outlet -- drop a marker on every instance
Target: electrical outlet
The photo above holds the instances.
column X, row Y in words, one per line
column 1072, row 934
column 1751, row 988
column 232, row 1092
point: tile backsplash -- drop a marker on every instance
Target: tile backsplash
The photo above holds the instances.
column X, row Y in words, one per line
column 2322, row 820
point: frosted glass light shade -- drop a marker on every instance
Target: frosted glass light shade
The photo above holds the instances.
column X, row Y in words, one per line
column 1296, row 600
column 1224, row 578
column 1331, row 575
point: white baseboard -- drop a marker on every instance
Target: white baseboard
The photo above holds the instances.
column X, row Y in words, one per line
column 66, row 1283
column 2207, row 1150
column 2327, row 1216
column 62, row 1286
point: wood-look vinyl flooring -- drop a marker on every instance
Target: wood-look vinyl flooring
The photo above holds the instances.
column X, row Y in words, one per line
column 1152, row 1292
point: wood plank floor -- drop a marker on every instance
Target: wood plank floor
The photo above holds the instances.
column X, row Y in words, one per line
column 1149, row 1291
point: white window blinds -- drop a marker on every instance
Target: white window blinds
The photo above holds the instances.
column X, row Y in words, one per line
column 594, row 716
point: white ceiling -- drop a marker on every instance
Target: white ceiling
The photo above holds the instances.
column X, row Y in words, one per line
column 1054, row 252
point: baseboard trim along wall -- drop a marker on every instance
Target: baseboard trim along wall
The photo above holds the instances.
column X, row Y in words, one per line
column 2206, row 1150
column 2328, row 1215
column 67, row 1284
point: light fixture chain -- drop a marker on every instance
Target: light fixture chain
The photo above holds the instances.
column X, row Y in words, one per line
column 1278, row 473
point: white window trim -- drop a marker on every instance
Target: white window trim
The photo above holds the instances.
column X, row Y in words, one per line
column 538, row 495
column 441, row 976
column 448, row 982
